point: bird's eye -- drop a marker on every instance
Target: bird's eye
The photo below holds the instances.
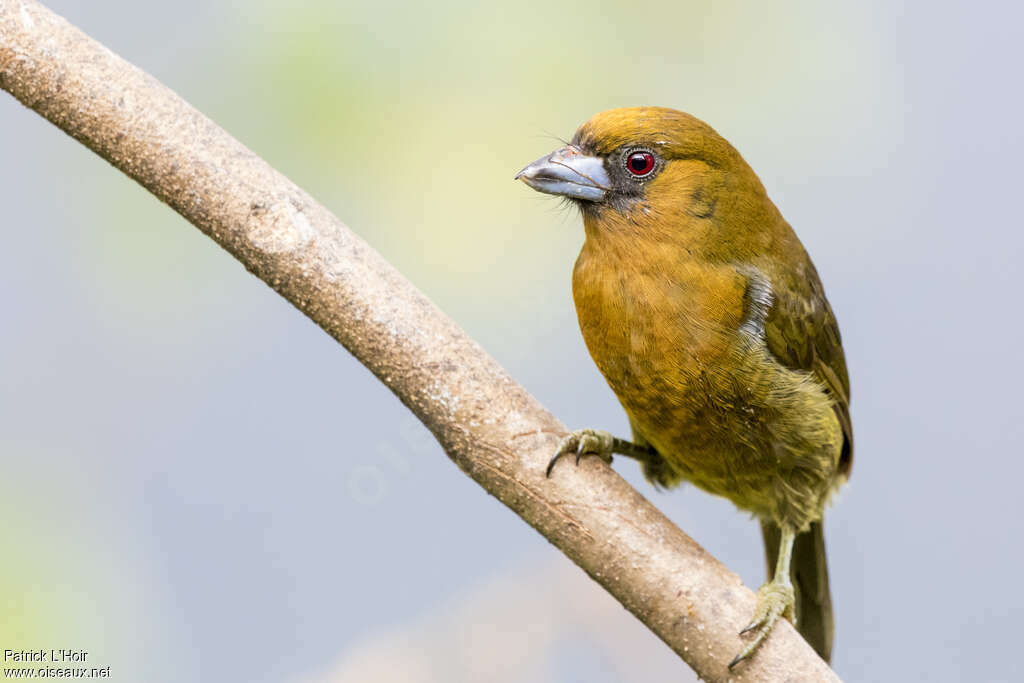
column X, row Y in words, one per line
column 640, row 163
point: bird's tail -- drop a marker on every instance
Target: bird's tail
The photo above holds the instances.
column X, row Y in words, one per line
column 810, row 582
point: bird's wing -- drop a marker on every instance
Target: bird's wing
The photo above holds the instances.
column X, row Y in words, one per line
column 801, row 332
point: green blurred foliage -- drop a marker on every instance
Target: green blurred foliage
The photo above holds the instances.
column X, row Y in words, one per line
column 410, row 119
column 64, row 586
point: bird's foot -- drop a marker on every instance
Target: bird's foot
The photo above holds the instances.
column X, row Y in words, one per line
column 584, row 442
column 774, row 600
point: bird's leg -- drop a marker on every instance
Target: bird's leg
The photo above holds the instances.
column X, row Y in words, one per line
column 600, row 443
column 774, row 599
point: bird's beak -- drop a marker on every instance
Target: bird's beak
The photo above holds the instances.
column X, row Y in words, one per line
column 570, row 173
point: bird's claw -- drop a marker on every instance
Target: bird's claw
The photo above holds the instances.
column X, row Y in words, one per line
column 584, row 442
column 774, row 600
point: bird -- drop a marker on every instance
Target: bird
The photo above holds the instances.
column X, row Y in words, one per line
column 708, row 320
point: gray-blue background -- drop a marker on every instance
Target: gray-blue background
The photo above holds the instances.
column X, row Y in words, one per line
column 196, row 483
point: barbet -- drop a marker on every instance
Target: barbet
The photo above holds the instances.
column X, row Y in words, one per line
column 704, row 313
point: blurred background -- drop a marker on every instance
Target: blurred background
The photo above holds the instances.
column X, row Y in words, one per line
column 197, row 484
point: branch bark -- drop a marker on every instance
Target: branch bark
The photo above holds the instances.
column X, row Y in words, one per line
column 490, row 426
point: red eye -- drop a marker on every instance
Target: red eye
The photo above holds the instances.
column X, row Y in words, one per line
column 640, row 163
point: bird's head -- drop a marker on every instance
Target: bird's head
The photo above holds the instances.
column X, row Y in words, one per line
column 654, row 172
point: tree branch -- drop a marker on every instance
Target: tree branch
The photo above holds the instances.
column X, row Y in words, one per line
column 489, row 425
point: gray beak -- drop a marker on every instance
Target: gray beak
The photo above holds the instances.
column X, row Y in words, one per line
column 570, row 173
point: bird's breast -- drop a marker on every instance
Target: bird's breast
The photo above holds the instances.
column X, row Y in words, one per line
column 656, row 332
column 699, row 387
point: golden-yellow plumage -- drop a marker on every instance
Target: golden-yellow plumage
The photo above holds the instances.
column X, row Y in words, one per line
column 707, row 318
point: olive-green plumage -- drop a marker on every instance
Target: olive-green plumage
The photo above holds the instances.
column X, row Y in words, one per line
column 707, row 318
